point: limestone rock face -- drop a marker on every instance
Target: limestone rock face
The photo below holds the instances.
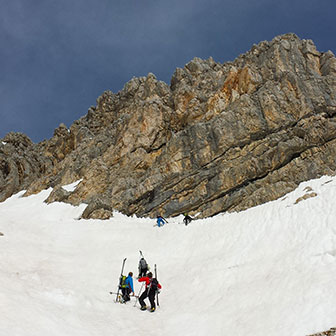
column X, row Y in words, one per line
column 221, row 137
column 20, row 162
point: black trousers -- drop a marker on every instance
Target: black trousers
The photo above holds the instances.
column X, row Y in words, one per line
column 126, row 294
column 142, row 272
column 151, row 296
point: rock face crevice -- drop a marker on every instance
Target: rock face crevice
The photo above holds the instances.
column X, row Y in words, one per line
column 221, row 137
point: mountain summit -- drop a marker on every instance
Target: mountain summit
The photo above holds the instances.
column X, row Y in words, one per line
column 221, row 137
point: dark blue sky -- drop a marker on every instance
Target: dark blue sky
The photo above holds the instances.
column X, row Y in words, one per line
column 58, row 56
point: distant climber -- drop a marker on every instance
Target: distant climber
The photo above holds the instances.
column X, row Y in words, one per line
column 152, row 286
column 160, row 221
column 127, row 288
column 187, row 219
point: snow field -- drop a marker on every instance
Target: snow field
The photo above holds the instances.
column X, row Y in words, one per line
column 269, row 270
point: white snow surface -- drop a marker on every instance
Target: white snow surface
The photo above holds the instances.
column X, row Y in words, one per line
column 269, row 270
column 72, row 186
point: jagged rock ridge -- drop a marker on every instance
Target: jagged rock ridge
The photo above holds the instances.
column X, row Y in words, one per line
column 221, row 137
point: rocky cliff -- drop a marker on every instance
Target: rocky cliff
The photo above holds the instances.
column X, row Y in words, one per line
column 221, row 137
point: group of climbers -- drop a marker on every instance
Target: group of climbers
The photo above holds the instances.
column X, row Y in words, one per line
column 161, row 221
column 152, row 286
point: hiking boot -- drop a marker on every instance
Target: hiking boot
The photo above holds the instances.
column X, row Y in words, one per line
column 152, row 310
column 143, row 308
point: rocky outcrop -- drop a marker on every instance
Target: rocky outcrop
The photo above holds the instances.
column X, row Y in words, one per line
column 330, row 332
column 98, row 208
column 20, row 163
column 24, row 164
column 58, row 195
column 221, row 137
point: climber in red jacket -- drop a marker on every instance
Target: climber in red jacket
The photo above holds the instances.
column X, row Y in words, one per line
column 152, row 286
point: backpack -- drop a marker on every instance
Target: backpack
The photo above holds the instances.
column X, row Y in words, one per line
column 154, row 284
column 122, row 283
column 142, row 263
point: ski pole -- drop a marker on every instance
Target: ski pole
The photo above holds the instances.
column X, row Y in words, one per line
column 137, row 297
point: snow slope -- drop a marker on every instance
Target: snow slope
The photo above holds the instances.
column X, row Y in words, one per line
column 269, row 270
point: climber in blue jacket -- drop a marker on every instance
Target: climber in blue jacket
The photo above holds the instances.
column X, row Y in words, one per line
column 160, row 221
column 128, row 287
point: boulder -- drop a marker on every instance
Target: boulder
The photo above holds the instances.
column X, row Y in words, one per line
column 97, row 208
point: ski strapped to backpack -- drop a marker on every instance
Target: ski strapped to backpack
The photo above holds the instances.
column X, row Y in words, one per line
column 153, row 284
column 143, row 265
column 120, row 279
